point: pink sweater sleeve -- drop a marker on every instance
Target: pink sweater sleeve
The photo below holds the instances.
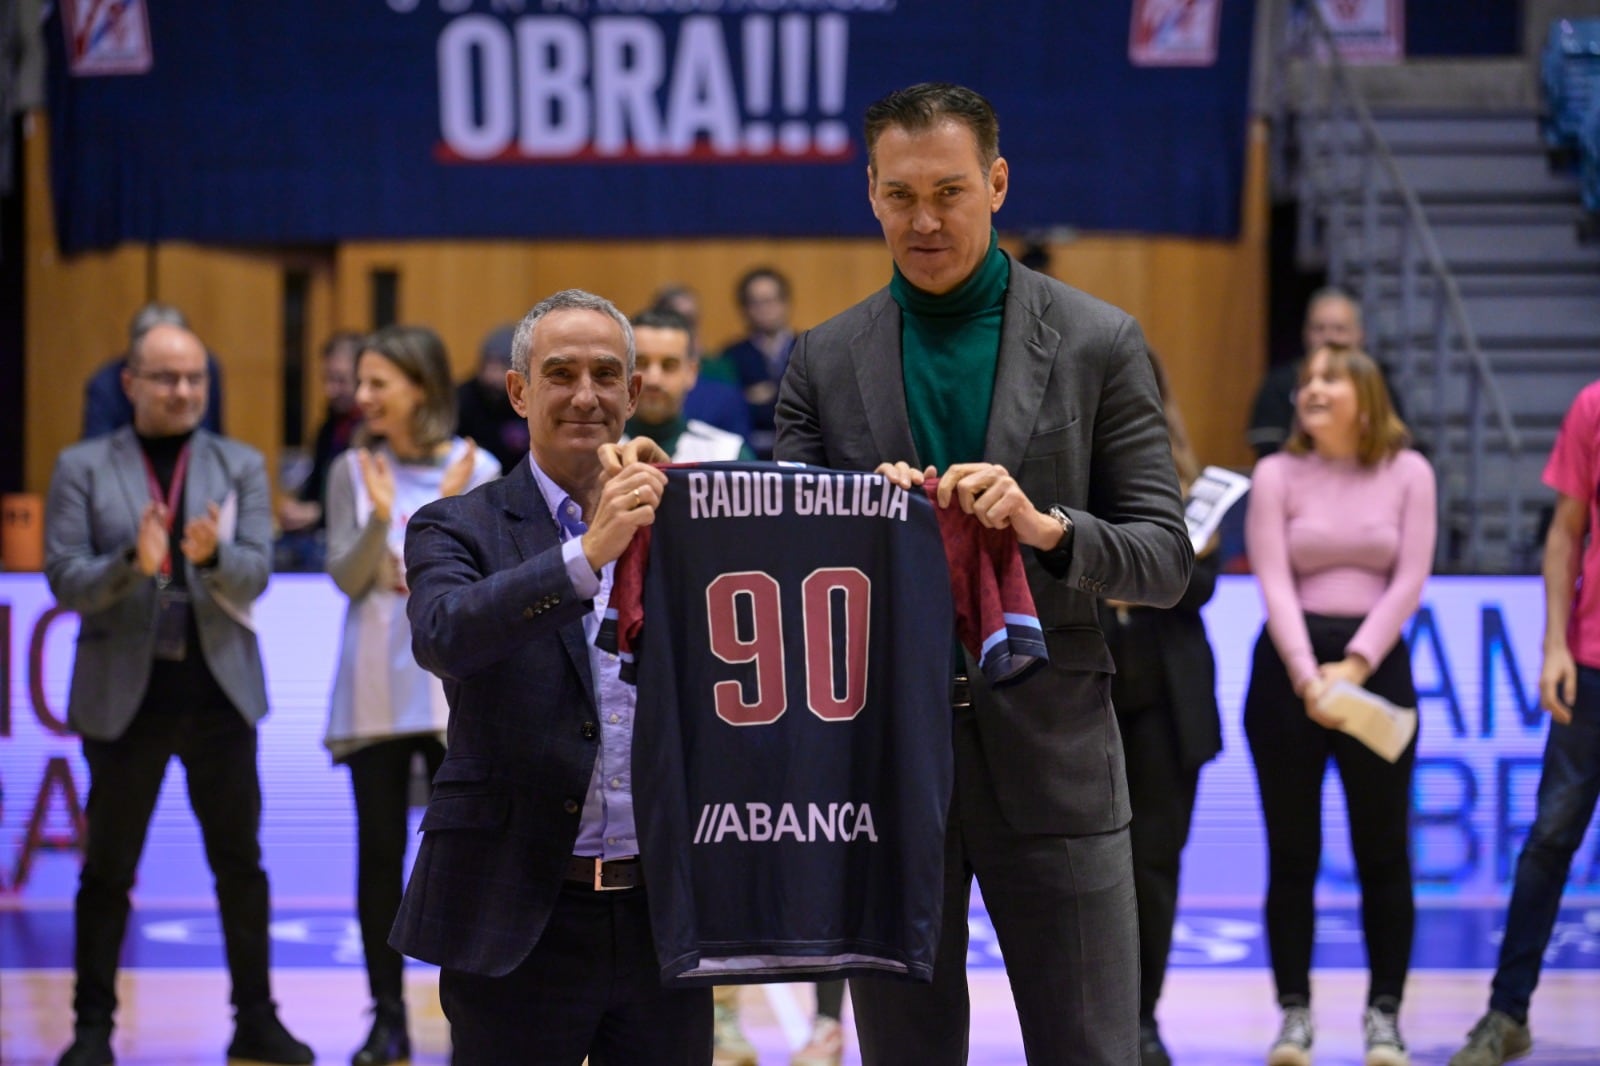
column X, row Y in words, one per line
column 1266, row 533
column 1413, row 560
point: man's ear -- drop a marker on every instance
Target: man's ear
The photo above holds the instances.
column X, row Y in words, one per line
column 999, row 182
column 515, row 384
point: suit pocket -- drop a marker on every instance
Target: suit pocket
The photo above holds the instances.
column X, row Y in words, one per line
column 478, row 810
column 463, row 797
column 1051, row 441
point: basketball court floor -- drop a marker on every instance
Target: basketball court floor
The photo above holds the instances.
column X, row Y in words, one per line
column 1217, row 1009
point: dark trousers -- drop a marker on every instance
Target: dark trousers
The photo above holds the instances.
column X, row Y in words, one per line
column 591, row 986
column 380, row 777
column 218, row 750
column 1063, row 910
column 1569, row 784
column 1162, row 792
column 1291, row 754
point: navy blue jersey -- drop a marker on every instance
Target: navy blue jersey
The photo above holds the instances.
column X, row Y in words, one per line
column 790, row 633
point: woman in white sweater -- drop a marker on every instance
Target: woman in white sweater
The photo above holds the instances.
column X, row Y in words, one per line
column 386, row 711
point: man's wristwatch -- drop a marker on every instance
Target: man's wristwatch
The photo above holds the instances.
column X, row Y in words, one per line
column 1065, row 519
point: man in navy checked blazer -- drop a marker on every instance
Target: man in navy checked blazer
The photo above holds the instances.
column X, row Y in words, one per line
column 526, row 891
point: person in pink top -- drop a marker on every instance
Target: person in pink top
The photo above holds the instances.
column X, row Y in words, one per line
column 1340, row 531
column 1569, row 688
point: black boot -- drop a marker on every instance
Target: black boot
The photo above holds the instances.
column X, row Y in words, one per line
column 258, row 1036
column 91, row 1046
column 388, row 1041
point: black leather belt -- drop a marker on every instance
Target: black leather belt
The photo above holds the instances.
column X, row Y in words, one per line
column 960, row 691
column 605, row 875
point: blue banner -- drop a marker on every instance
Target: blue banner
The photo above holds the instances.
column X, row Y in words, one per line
column 309, row 121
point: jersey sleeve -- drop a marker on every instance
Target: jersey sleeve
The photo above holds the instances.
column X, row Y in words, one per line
column 996, row 620
column 624, row 617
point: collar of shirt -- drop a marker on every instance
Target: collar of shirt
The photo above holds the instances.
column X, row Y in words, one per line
column 567, row 513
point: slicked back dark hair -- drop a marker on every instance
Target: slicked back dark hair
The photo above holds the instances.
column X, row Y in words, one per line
column 921, row 107
column 666, row 318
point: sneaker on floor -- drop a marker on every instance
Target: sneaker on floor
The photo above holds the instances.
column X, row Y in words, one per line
column 258, row 1036
column 1293, row 1046
column 1152, row 1052
column 730, row 1047
column 1496, row 1038
column 1380, row 1027
column 91, row 1046
column 826, row 1046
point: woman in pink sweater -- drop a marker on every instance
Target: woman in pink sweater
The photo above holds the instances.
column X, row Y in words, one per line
column 1340, row 532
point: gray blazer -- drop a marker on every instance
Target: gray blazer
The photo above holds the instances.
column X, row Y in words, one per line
column 1077, row 419
column 97, row 493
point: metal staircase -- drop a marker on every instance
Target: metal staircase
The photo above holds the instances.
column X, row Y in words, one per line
column 1462, row 246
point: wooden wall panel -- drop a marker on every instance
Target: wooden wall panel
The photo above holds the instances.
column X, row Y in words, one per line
column 75, row 318
column 1201, row 303
column 234, row 302
column 464, row 289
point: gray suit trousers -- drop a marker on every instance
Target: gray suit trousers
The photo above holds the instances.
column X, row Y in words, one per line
column 1063, row 910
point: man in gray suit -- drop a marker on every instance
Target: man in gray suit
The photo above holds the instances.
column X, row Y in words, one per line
column 1036, row 405
column 160, row 536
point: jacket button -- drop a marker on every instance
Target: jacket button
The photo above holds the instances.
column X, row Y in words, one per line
column 588, row 730
column 570, row 806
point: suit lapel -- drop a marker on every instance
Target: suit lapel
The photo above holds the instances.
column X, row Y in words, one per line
column 1027, row 353
column 128, row 462
column 876, row 354
column 533, row 530
column 203, row 480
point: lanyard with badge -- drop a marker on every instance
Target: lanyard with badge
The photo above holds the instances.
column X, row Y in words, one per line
column 172, row 612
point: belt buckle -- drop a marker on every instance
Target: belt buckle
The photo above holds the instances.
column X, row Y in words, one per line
column 599, row 877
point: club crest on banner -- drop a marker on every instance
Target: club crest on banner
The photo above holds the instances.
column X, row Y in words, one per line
column 1368, row 31
column 1174, row 33
column 106, row 36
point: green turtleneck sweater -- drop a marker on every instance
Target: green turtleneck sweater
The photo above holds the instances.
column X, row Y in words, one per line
column 949, row 346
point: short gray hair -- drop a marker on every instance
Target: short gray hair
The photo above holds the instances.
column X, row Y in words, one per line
column 152, row 315
column 566, row 300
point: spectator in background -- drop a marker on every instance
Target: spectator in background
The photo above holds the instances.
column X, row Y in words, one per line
column 669, row 365
column 1332, row 317
column 714, row 400
column 386, row 710
column 1340, row 528
column 167, row 666
column 483, row 412
column 1569, row 688
column 1165, row 693
column 106, row 405
column 756, row 363
column 300, row 516
column 680, row 299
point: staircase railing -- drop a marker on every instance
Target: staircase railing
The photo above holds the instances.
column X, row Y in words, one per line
column 1326, row 107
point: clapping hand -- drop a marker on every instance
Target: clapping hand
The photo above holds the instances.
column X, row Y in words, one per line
column 378, row 478
column 458, row 475
column 153, row 541
column 200, row 536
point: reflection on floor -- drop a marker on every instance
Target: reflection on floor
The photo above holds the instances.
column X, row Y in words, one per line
column 1217, row 1009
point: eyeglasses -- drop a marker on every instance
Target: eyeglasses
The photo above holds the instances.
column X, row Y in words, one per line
column 169, row 379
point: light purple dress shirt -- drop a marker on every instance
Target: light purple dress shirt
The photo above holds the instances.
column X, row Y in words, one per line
column 606, row 826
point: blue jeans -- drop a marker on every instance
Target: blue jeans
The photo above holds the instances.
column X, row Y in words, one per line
column 1569, row 784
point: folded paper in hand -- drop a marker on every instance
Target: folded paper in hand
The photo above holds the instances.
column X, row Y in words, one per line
column 1212, row 493
column 1371, row 719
